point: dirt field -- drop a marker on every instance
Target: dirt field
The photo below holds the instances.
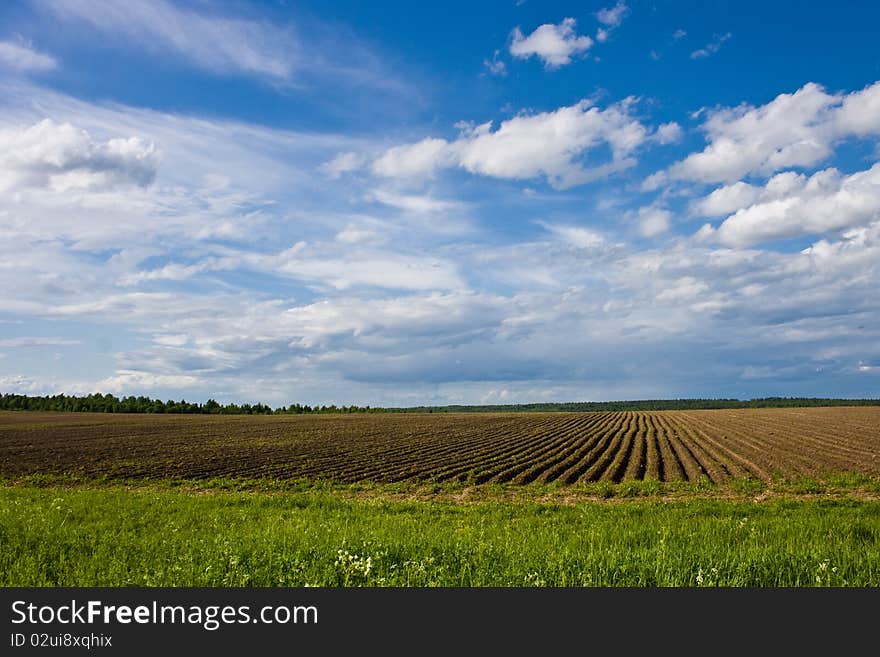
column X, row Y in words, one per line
column 479, row 448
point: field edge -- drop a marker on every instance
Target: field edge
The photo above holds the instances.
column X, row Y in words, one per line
column 831, row 485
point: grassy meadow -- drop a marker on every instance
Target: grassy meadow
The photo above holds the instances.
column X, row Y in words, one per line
column 159, row 534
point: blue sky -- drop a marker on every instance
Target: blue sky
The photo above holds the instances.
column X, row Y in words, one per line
column 384, row 203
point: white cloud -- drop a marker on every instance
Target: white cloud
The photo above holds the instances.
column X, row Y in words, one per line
column 654, row 181
column 679, row 34
column 219, row 181
column 712, row 47
column 612, row 16
column 548, row 144
column 64, row 158
column 668, row 133
column 133, row 382
column 354, row 234
column 553, row 44
column 726, row 200
column 412, row 203
column 369, row 307
column 341, row 164
column 496, row 66
column 176, row 272
column 859, row 113
column 25, row 385
column 793, row 206
column 195, row 150
column 670, row 308
column 218, row 44
column 415, row 317
column 367, row 268
column 29, row 341
column 23, row 58
column 81, row 176
column 792, row 130
column 653, row 221
column 171, row 339
column 686, row 288
column 419, row 159
column 313, row 339
column 325, row 265
column 578, row 236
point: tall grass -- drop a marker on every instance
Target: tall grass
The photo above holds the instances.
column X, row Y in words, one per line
column 62, row 536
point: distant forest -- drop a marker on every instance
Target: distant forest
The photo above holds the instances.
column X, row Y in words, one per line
column 98, row 403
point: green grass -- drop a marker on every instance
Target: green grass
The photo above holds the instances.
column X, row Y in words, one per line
column 111, row 535
column 829, row 484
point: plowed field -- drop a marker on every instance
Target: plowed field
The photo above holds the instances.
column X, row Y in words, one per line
column 481, row 448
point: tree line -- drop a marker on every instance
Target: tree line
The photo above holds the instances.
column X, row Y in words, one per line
column 648, row 405
column 99, row 403
column 107, row 403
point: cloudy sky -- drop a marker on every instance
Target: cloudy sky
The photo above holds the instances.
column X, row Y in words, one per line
column 455, row 203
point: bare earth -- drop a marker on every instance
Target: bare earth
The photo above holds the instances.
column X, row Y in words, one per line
column 478, row 448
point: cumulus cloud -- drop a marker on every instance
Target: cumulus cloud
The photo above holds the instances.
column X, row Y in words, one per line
column 726, row 199
column 682, row 301
column 548, row 144
column 62, row 157
column 23, row 58
column 795, row 205
column 653, row 221
column 712, row 47
column 26, row 385
column 368, row 306
column 134, row 382
column 686, row 288
column 612, row 16
column 859, row 113
column 668, row 133
column 792, row 130
column 419, row 159
column 671, row 308
column 82, row 176
column 553, row 44
column 274, row 338
column 420, row 318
